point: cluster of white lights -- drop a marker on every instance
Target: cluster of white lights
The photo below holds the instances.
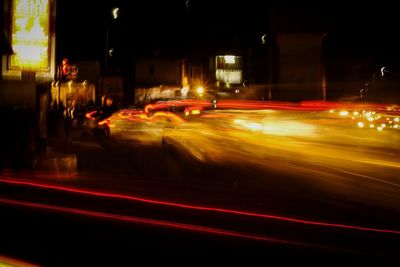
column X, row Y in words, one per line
column 370, row 119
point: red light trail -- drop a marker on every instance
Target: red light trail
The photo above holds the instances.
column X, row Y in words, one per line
column 194, row 207
column 254, row 104
column 159, row 223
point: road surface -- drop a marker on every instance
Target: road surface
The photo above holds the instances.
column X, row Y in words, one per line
column 317, row 183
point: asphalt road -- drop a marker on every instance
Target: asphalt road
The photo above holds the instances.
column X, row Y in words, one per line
column 265, row 185
column 54, row 226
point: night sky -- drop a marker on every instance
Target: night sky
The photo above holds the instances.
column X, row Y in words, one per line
column 180, row 27
column 183, row 27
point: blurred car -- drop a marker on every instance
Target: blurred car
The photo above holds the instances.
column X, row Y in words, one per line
column 13, row 262
column 96, row 123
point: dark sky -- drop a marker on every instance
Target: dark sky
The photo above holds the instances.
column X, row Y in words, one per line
column 181, row 26
column 166, row 24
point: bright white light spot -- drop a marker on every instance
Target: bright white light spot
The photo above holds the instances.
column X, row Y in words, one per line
column 288, row 129
column 343, row 113
column 254, row 126
column 115, row 12
column 229, row 59
column 379, row 129
column 360, row 124
column 264, row 39
column 383, row 69
column 278, row 128
column 371, row 126
column 200, row 90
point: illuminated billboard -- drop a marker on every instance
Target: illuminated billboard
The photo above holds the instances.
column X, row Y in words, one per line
column 228, row 69
column 30, row 31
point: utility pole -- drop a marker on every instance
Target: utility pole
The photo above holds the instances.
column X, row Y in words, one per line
column 115, row 12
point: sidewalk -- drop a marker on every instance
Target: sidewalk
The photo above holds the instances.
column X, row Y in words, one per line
column 55, row 161
column 57, row 155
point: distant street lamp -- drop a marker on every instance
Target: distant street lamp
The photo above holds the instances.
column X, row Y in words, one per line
column 115, row 13
column 200, row 90
column 264, row 41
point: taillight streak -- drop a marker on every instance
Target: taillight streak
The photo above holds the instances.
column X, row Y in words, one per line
column 195, row 207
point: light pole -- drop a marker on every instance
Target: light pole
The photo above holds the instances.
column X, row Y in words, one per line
column 115, row 12
column 266, row 40
column 106, row 52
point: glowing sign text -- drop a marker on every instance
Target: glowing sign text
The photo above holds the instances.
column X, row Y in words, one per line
column 30, row 35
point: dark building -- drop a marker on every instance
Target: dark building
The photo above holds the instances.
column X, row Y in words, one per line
column 287, row 52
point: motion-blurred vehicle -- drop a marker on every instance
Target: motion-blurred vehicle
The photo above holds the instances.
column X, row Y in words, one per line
column 13, row 262
column 139, row 126
column 96, row 123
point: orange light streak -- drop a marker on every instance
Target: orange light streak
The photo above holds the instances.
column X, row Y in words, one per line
column 89, row 115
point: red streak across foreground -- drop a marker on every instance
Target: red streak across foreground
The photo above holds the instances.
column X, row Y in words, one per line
column 192, row 207
column 160, row 223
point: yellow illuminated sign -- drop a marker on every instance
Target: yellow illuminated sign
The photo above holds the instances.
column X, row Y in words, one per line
column 30, row 27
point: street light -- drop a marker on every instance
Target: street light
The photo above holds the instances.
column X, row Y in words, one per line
column 200, row 90
column 265, row 41
column 115, row 13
